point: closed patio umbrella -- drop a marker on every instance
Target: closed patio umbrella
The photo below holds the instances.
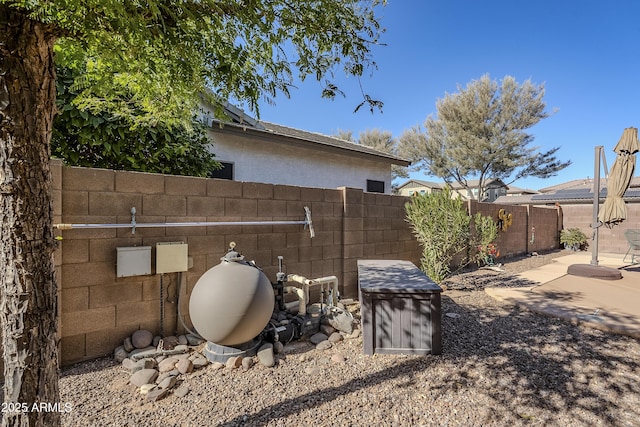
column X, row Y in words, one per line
column 614, row 210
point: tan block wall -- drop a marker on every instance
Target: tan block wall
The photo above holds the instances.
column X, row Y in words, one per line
column 98, row 310
column 533, row 228
column 610, row 240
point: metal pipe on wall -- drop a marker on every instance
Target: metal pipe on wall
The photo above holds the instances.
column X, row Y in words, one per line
column 133, row 224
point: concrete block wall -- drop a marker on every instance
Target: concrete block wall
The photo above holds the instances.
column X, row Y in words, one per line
column 610, row 240
column 533, row 228
column 98, row 310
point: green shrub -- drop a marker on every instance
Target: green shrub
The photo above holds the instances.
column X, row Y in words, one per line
column 441, row 226
column 484, row 239
column 573, row 238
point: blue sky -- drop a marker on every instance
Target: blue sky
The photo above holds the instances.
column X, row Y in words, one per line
column 586, row 54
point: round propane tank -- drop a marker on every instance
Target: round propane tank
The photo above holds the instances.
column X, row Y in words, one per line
column 231, row 302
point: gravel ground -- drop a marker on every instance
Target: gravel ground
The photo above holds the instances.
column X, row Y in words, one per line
column 500, row 366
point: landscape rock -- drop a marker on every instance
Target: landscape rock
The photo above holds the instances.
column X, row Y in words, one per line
column 156, row 341
column 141, row 338
column 199, row 362
column 194, row 340
column 327, row 329
column 355, row 334
column 182, row 391
column 167, row 364
column 170, row 342
column 324, row 345
column 141, row 352
column 247, row 363
column 128, row 345
column 335, row 337
column 181, row 348
column 156, row 394
column 278, row 347
column 120, row 354
column 143, row 376
column 234, row 362
column 182, row 340
column 184, row 366
column 168, row 383
column 337, row 358
column 318, row 338
column 340, row 319
column 216, row 366
column 182, row 356
column 146, row 388
column 128, row 364
column 162, row 377
column 143, row 364
column 265, row 355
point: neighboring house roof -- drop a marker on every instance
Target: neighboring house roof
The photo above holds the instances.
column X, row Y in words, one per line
column 330, row 141
column 272, row 132
column 454, row 185
column 524, row 199
column 576, row 191
column 474, row 183
column 413, row 183
column 521, row 191
column 585, row 183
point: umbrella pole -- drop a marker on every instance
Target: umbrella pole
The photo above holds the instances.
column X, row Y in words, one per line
column 596, row 204
column 593, row 269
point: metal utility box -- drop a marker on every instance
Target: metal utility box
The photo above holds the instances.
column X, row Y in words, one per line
column 171, row 257
column 133, row 261
column 400, row 308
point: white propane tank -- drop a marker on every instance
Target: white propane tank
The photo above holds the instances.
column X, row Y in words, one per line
column 232, row 302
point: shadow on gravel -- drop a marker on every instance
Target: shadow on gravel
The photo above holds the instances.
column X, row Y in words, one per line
column 547, row 363
column 532, row 368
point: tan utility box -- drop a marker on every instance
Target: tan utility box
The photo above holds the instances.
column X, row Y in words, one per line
column 171, row 257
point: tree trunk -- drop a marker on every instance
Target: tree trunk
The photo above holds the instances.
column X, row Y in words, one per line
column 28, row 309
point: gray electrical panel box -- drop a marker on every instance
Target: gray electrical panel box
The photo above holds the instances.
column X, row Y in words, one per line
column 171, row 257
column 133, row 261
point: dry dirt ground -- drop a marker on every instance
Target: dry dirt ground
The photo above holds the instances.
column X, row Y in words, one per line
column 500, row 366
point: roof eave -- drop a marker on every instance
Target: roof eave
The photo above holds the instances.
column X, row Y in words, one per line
column 293, row 141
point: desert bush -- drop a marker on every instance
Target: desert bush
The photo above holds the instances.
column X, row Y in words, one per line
column 442, row 226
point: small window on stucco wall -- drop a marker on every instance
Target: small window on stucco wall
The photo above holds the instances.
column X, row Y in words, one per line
column 226, row 172
column 375, row 186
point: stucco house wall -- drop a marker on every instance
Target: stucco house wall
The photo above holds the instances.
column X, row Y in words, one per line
column 277, row 163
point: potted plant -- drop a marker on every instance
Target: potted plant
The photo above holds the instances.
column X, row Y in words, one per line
column 573, row 238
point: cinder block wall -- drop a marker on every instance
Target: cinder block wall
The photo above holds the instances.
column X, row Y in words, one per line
column 98, row 310
column 533, row 228
column 610, row 240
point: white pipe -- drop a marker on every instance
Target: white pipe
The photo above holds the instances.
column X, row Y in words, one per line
column 133, row 224
column 333, row 282
column 302, row 302
column 296, row 278
column 177, row 224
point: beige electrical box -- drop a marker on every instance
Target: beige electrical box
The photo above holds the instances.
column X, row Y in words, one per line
column 133, row 261
column 171, row 257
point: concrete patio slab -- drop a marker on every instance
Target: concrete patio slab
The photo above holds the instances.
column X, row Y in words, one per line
column 611, row 305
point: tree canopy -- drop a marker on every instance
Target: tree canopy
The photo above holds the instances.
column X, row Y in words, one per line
column 166, row 52
column 480, row 133
column 112, row 141
column 380, row 140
